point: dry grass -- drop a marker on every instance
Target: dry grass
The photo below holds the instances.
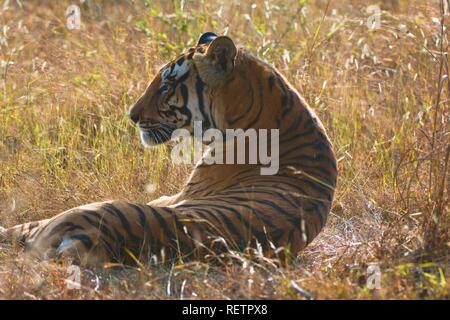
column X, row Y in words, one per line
column 65, row 139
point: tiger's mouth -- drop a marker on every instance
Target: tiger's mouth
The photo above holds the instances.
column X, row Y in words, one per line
column 153, row 135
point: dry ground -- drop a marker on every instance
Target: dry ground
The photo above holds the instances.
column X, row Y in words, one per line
column 65, row 139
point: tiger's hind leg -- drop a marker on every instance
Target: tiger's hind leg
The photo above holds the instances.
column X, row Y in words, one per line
column 112, row 231
column 89, row 235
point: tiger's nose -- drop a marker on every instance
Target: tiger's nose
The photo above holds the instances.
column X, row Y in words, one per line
column 133, row 116
column 136, row 109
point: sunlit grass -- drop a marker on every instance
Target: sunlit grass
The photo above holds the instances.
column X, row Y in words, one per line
column 65, row 139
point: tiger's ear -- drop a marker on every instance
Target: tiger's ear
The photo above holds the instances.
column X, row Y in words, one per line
column 206, row 38
column 217, row 63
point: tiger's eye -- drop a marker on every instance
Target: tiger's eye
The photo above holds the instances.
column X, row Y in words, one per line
column 164, row 88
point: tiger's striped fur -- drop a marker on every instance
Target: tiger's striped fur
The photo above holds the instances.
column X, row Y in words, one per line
column 221, row 206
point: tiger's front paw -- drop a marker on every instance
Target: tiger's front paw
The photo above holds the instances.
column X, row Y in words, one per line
column 164, row 201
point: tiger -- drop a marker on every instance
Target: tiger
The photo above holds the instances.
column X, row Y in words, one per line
column 222, row 207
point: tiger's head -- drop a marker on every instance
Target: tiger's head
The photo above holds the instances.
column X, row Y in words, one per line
column 183, row 91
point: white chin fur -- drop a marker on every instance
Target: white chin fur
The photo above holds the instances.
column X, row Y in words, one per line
column 146, row 140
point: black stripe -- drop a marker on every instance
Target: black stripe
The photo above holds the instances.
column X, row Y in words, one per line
column 124, row 221
column 69, row 226
column 318, row 157
column 199, row 87
column 181, row 60
column 247, row 110
column 87, row 242
column 317, row 145
column 291, row 217
column 271, row 81
column 260, row 235
column 168, row 233
column 260, row 89
column 180, row 226
column 154, row 243
column 100, row 226
column 236, row 236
